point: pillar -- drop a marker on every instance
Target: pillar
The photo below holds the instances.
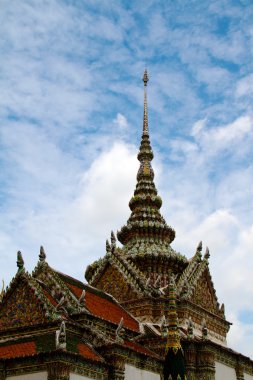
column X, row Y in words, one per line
column 58, row 371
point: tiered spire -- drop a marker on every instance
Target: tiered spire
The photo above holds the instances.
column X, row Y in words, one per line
column 145, row 224
column 174, row 366
column 173, row 339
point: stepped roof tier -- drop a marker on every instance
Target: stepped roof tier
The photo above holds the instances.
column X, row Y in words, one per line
column 146, row 237
column 138, row 274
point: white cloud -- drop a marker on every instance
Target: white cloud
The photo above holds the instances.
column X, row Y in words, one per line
column 222, row 137
column 245, row 86
column 75, row 226
column 121, row 121
column 66, row 179
column 198, row 127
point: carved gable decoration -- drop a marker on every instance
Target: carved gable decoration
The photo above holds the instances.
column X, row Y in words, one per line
column 113, row 282
column 21, row 307
column 204, row 294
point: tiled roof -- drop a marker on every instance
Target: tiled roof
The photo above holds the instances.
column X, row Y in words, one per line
column 138, row 348
column 17, row 350
column 50, row 298
column 87, row 352
column 103, row 307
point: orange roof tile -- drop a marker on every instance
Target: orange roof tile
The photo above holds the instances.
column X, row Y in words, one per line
column 50, row 298
column 86, row 351
column 136, row 347
column 17, row 350
column 104, row 308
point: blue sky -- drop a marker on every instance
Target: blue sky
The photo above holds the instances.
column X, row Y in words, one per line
column 71, row 106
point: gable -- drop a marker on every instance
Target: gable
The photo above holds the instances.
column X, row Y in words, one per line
column 55, row 289
column 204, row 293
column 104, row 306
column 21, row 308
column 113, row 282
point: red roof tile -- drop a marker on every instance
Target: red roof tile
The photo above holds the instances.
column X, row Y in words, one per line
column 105, row 308
column 85, row 351
column 50, row 298
column 136, row 347
column 17, row 350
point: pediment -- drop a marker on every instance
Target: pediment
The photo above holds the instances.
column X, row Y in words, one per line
column 113, row 281
column 22, row 305
column 204, row 294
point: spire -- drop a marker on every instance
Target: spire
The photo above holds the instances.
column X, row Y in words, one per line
column 174, row 366
column 145, row 113
column 146, row 227
column 173, row 340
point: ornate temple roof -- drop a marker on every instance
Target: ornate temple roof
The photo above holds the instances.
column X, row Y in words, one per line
column 140, row 271
column 54, row 311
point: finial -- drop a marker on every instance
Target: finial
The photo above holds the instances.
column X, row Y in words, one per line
column 163, row 328
column 207, row 254
column 113, row 240
column 107, row 247
column 145, row 113
column 20, row 262
column 145, row 78
column 190, row 328
column 42, row 255
column 198, row 251
column 2, row 292
column 60, row 340
column 199, row 247
column 204, row 329
column 82, row 297
column 120, row 331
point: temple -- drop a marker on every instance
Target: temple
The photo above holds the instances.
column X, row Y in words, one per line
column 146, row 312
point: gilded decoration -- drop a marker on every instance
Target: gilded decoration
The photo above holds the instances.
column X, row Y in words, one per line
column 94, row 336
column 21, row 308
column 204, row 294
column 113, row 282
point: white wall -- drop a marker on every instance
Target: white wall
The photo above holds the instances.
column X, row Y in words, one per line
column 30, row 376
column 43, row 376
column 133, row 373
column 223, row 372
column 247, row 377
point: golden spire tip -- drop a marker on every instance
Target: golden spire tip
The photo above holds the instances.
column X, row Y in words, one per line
column 145, row 77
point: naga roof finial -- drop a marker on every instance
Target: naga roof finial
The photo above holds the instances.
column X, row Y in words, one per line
column 207, row 254
column 20, row 262
column 2, row 292
column 42, row 255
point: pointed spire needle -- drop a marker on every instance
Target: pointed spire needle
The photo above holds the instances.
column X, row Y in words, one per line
column 145, row 77
column 145, row 114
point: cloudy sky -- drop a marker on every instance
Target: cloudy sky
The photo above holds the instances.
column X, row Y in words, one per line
column 71, row 106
